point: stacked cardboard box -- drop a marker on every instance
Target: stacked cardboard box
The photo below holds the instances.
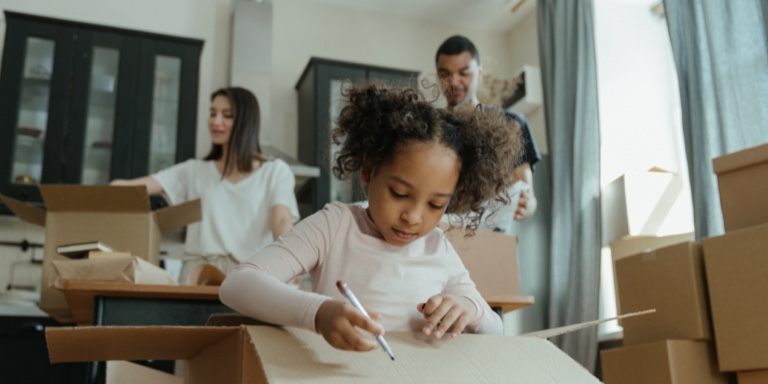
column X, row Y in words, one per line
column 723, row 279
column 672, row 345
column 737, row 265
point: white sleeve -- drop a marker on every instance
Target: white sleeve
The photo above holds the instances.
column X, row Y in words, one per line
column 257, row 288
column 176, row 181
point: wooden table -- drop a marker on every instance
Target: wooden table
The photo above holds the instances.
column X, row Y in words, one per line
column 83, row 296
column 507, row 303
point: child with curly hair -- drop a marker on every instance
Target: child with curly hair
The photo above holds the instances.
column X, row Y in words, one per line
column 416, row 163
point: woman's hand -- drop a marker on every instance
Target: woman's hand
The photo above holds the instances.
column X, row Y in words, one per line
column 338, row 321
column 443, row 311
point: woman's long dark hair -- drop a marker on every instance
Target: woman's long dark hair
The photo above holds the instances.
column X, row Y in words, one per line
column 244, row 146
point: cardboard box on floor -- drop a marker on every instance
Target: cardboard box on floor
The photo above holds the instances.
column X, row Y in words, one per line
column 670, row 279
column 741, row 177
column 269, row 354
column 736, row 265
column 662, row 362
column 645, row 203
column 117, row 216
column 632, row 245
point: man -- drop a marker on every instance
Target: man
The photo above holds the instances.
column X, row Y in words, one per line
column 460, row 72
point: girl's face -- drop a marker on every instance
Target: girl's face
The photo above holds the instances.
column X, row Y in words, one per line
column 221, row 120
column 408, row 196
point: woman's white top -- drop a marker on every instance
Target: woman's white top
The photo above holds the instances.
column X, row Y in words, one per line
column 235, row 217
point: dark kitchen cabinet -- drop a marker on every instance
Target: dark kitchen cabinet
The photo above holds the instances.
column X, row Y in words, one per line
column 319, row 91
column 85, row 104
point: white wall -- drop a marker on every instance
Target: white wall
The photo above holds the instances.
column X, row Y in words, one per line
column 523, row 41
column 303, row 29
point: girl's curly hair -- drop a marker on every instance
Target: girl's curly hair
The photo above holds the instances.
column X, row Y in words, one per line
column 380, row 120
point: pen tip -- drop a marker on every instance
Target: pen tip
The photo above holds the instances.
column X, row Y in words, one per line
column 339, row 284
column 392, row 357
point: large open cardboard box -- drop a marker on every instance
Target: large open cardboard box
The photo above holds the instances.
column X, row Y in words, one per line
column 670, row 279
column 267, row 354
column 662, row 362
column 736, row 265
column 117, row 216
column 741, row 177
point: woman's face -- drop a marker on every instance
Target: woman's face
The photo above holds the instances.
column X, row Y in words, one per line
column 221, row 120
column 408, row 196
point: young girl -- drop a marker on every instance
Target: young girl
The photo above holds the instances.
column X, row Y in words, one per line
column 417, row 163
column 247, row 199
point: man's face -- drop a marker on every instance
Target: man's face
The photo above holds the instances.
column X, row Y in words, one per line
column 459, row 78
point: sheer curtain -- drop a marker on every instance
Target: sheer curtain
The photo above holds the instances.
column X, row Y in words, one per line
column 569, row 78
column 722, row 68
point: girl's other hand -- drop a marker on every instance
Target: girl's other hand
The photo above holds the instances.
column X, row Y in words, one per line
column 338, row 321
column 444, row 311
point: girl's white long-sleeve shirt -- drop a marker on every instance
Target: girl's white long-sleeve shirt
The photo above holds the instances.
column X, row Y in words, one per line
column 341, row 242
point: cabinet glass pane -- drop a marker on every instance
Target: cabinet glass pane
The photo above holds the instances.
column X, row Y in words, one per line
column 100, row 123
column 33, row 111
column 165, row 112
column 341, row 190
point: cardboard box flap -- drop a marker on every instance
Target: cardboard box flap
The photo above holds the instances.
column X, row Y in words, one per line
column 740, row 159
column 94, row 198
column 178, row 215
column 70, row 344
column 552, row 332
column 25, row 211
column 469, row 358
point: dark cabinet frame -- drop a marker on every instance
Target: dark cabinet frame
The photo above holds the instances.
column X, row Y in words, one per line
column 315, row 122
column 68, row 100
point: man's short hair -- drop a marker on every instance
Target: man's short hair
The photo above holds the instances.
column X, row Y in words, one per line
column 455, row 45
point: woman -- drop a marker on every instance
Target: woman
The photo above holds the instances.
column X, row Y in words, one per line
column 247, row 199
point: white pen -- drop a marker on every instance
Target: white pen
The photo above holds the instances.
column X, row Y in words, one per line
column 355, row 303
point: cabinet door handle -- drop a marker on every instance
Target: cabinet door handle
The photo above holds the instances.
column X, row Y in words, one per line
column 32, row 326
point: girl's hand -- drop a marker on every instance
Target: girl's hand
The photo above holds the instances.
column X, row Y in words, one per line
column 444, row 311
column 338, row 321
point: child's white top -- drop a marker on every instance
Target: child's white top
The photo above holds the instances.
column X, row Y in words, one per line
column 235, row 217
column 341, row 242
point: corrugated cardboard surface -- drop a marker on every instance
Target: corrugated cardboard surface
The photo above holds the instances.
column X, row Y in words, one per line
column 753, row 377
column 662, row 362
column 632, row 245
column 491, row 259
column 136, row 233
column 737, row 276
column 742, row 178
column 670, row 279
column 94, row 198
column 265, row 354
column 125, row 372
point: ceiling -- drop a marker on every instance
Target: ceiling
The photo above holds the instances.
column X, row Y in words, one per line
column 483, row 15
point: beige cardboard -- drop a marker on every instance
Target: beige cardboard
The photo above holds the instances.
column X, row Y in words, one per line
column 662, row 362
column 670, row 279
column 118, row 216
column 752, row 377
column 632, row 245
column 265, row 354
column 130, row 269
column 643, row 203
column 737, row 276
column 125, row 372
column 491, row 259
column 741, row 177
